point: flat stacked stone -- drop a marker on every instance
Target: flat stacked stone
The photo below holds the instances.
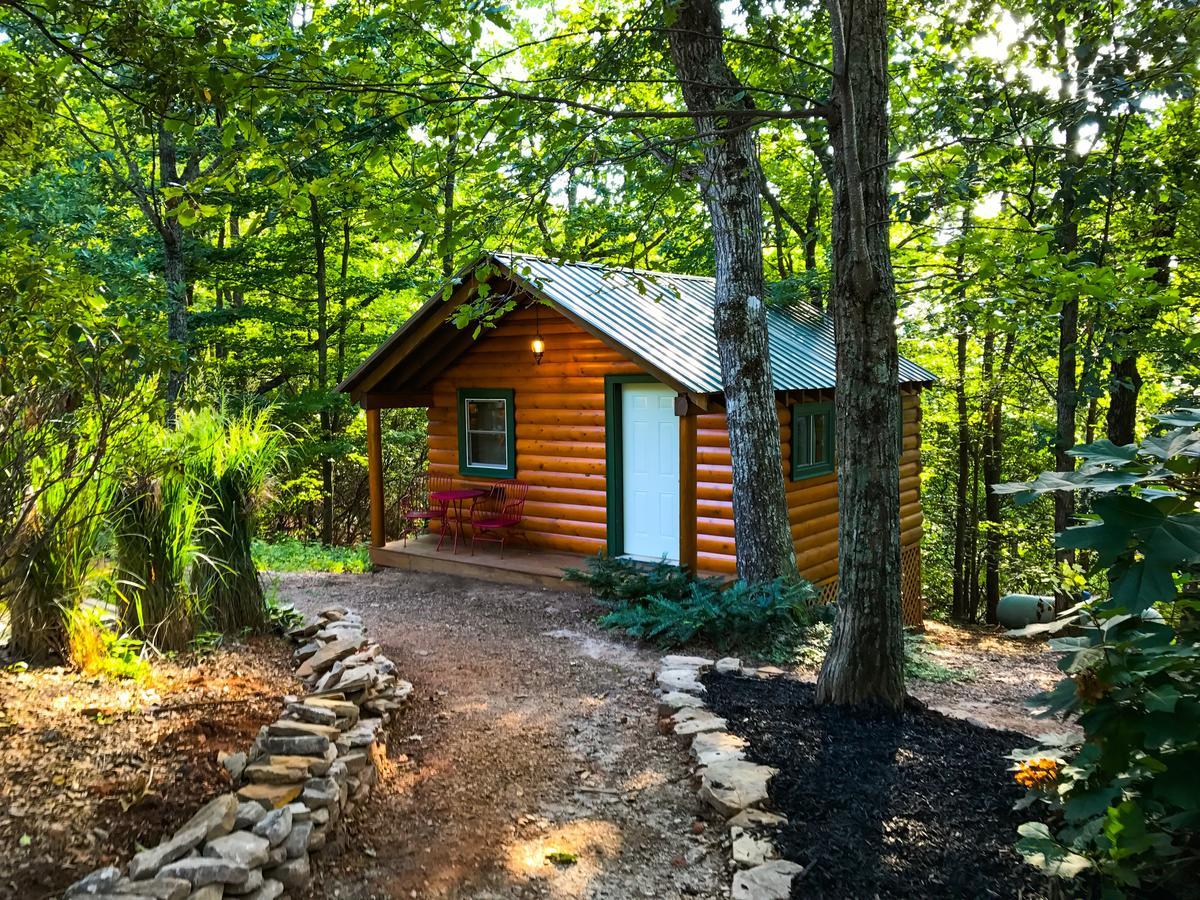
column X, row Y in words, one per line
column 303, row 773
column 728, row 783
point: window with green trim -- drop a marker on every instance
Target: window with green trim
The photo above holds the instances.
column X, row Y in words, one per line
column 487, row 439
column 812, row 439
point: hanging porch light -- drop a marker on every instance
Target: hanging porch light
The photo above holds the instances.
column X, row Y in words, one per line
column 538, row 346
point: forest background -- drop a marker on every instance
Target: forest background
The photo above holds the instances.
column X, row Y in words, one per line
column 207, row 203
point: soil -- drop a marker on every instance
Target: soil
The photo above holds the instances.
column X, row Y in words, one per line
column 994, row 676
column 527, row 764
column 915, row 806
column 92, row 767
column 530, row 736
column 999, row 674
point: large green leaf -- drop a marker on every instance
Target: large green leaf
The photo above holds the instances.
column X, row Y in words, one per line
column 1183, row 417
column 1089, row 804
column 1180, row 442
column 1125, row 827
column 1105, row 452
column 1109, row 540
column 1161, row 698
column 1040, row 849
column 1141, row 585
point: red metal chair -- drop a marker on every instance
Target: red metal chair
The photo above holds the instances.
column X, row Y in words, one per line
column 498, row 512
column 417, row 506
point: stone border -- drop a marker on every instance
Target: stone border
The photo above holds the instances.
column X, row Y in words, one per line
column 302, row 774
column 728, row 783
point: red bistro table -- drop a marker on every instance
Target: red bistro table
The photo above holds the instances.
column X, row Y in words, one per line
column 455, row 497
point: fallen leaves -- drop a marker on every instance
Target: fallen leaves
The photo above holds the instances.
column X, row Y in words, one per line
column 84, row 758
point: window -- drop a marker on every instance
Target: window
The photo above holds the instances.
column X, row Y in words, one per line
column 486, row 433
column 812, row 439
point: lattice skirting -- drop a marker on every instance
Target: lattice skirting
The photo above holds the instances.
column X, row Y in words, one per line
column 911, row 602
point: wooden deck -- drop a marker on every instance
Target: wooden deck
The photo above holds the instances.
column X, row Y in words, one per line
column 530, row 568
column 520, row 565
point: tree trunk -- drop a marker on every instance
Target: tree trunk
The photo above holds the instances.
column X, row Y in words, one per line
column 992, row 455
column 972, row 574
column 1121, row 424
column 175, row 274
column 865, row 663
column 316, row 220
column 1121, row 421
column 343, row 318
column 959, row 604
column 1066, row 395
column 730, row 186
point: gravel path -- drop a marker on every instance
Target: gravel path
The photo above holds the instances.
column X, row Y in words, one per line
column 530, row 733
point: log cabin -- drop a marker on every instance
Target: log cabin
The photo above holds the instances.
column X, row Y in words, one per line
column 600, row 387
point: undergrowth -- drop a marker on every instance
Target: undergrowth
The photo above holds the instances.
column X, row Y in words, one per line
column 662, row 604
column 98, row 646
column 782, row 621
column 919, row 663
column 290, row 555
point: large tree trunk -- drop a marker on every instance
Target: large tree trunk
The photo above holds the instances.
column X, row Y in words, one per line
column 317, row 221
column 730, row 185
column 1066, row 394
column 865, row 663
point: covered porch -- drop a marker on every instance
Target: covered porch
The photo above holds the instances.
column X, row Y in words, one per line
column 520, row 565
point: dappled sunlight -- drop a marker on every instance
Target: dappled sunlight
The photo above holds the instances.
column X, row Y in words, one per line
column 582, row 848
column 644, row 780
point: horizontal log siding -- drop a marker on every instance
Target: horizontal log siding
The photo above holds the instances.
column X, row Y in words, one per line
column 812, row 502
column 559, row 407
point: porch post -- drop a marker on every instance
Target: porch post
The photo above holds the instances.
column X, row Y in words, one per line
column 375, row 476
column 687, row 489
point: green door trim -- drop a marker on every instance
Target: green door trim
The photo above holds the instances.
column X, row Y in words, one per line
column 614, row 462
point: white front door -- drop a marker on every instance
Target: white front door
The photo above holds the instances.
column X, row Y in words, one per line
column 650, row 476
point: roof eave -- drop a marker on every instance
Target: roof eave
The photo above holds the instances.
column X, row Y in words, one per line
column 424, row 311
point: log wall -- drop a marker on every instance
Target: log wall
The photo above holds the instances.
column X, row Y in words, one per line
column 559, row 408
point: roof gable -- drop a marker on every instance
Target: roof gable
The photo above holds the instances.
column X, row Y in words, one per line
column 662, row 321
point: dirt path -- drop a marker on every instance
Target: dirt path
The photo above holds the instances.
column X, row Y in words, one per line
column 1002, row 673
column 530, row 733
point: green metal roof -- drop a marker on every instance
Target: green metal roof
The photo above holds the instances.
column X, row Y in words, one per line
column 662, row 320
column 667, row 320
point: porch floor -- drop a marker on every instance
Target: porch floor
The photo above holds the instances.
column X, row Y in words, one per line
column 519, row 565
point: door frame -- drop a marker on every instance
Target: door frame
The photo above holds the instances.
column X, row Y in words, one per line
column 614, row 458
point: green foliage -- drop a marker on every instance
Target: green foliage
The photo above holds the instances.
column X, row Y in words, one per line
column 280, row 617
column 1124, row 802
column 98, row 646
column 622, row 580
column 290, row 555
column 156, row 526
column 56, row 549
column 662, row 603
column 229, row 460
column 768, row 619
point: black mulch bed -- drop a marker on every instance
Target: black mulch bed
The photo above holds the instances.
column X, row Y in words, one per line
column 919, row 806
